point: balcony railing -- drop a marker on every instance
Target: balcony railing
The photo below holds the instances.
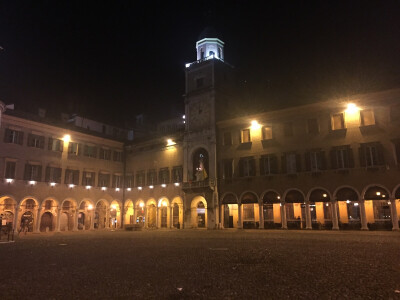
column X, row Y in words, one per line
column 208, row 183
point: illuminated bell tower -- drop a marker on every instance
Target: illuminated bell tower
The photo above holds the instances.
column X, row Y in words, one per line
column 205, row 81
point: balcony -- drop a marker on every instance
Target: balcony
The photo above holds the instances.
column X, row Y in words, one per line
column 198, row 186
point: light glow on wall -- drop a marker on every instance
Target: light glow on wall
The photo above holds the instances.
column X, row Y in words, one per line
column 141, row 204
column 170, row 142
column 52, row 184
column 32, row 182
column 352, row 108
column 88, row 187
column 71, row 186
column 129, row 189
column 90, row 207
column 117, row 189
column 255, row 125
column 139, row 188
column 163, row 185
column 176, row 183
column 9, row 180
column 113, row 206
column 67, row 138
column 103, row 188
column 151, row 186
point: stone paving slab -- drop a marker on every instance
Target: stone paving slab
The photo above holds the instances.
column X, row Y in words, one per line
column 202, row 264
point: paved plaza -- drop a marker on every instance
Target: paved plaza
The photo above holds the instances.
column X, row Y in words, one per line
column 202, row 264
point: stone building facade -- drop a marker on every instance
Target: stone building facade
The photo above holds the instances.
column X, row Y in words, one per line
column 327, row 165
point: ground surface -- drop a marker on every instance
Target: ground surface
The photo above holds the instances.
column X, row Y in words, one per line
column 193, row 264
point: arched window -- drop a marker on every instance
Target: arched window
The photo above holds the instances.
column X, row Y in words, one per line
column 200, row 165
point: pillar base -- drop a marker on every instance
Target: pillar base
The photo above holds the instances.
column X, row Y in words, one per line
column 336, row 229
column 395, row 229
column 364, row 229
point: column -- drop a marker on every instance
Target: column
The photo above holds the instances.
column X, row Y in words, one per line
column 36, row 226
column 58, row 220
column 363, row 215
column 107, row 225
column 171, row 216
column 393, row 213
column 146, row 220
column 240, row 221
column 308, row 216
column 15, row 224
column 75, row 225
column 261, row 212
column 335, row 222
column 283, row 216
column 181, row 219
column 158, row 215
column 222, row 212
column 92, row 220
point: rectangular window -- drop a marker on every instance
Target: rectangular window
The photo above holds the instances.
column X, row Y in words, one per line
column 267, row 133
column 227, row 168
column 33, row 172
column 312, row 126
column 288, row 129
column 104, row 180
column 117, row 155
column 73, row 148
column 140, row 178
column 342, row 157
column 53, row 174
column 315, row 161
column 268, row 164
column 367, row 117
column 177, row 174
column 371, row 155
column 246, row 136
column 117, row 181
column 247, row 167
column 35, row 141
column 90, row 151
column 291, row 164
column 337, row 121
column 163, row 175
column 151, row 177
column 13, row 136
column 227, row 138
column 71, row 177
column 88, row 178
column 105, row 154
column 129, row 181
column 56, row 145
column 10, row 169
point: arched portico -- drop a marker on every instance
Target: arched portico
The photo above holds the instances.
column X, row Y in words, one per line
column 86, row 211
column 272, row 212
column 229, row 211
column 9, row 211
column 151, row 218
column 129, row 213
column 101, row 215
column 28, row 216
column 295, row 209
column 68, row 215
column 140, row 212
column 320, row 208
column 378, row 208
column 198, row 214
column 114, row 220
column 249, row 211
column 163, row 213
column 48, row 215
column 177, row 212
column 349, row 207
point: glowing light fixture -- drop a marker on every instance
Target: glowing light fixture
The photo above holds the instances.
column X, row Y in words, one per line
column 151, row 186
column 324, row 195
column 255, row 125
column 351, row 108
column 170, row 142
column 378, row 193
column 187, row 65
column 52, row 184
column 141, row 204
column 279, row 197
column 176, row 183
column 103, row 188
column 129, row 189
column 347, row 201
column 117, row 189
column 32, row 182
column 9, row 180
column 184, row 117
column 139, row 188
column 163, row 185
column 90, row 207
column 356, row 204
column 389, row 202
column 113, row 206
column 327, row 204
column 71, row 186
column 88, row 187
column 383, row 196
column 66, row 138
column 164, row 203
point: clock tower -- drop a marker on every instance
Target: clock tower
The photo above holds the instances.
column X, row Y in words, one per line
column 206, row 82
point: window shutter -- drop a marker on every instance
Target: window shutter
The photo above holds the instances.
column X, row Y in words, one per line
column 58, row 175
column 381, row 157
column 26, row 172
column 7, row 133
column 39, row 174
column 61, row 146
column 241, row 168
column 50, row 145
column 262, row 162
column 361, row 152
column 41, row 142
column 80, row 149
column 322, row 156
column 20, row 137
column 333, row 156
column 298, row 163
column 273, row 160
column 307, row 157
column 252, row 167
column 47, row 176
column 283, row 164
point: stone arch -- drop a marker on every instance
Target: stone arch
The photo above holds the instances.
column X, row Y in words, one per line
column 271, row 209
column 377, row 206
column 9, row 210
column 229, row 210
column 177, row 212
column 200, row 162
column 321, row 208
column 249, row 209
column 164, row 212
column 151, row 216
column 129, row 212
column 29, row 210
column 368, row 191
column 85, row 214
column 396, row 192
column 198, row 208
column 248, row 195
column 271, row 196
column 101, row 214
column 314, row 194
column 344, row 190
column 140, row 212
column 295, row 209
column 348, row 207
column 47, row 222
column 293, row 194
column 115, row 214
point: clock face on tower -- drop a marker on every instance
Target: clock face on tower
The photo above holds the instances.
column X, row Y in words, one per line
column 199, row 113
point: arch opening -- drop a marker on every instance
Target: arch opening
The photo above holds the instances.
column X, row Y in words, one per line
column 272, row 210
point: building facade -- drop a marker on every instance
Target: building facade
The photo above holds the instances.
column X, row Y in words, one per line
column 327, row 165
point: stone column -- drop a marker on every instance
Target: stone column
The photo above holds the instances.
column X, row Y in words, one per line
column 91, row 220
column 58, row 220
column 240, row 221
column 15, row 225
column 36, row 226
column 158, row 215
column 261, row 212
column 335, row 222
column 308, row 216
column 75, row 218
column 283, row 216
column 363, row 215
column 222, row 212
column 393, row 213
column 107, row 225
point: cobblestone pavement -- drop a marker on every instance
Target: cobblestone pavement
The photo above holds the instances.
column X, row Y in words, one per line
column 199, row 264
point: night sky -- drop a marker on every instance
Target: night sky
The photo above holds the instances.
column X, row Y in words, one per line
column 112, row 60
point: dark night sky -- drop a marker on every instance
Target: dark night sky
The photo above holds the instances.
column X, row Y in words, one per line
column 116, row 59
